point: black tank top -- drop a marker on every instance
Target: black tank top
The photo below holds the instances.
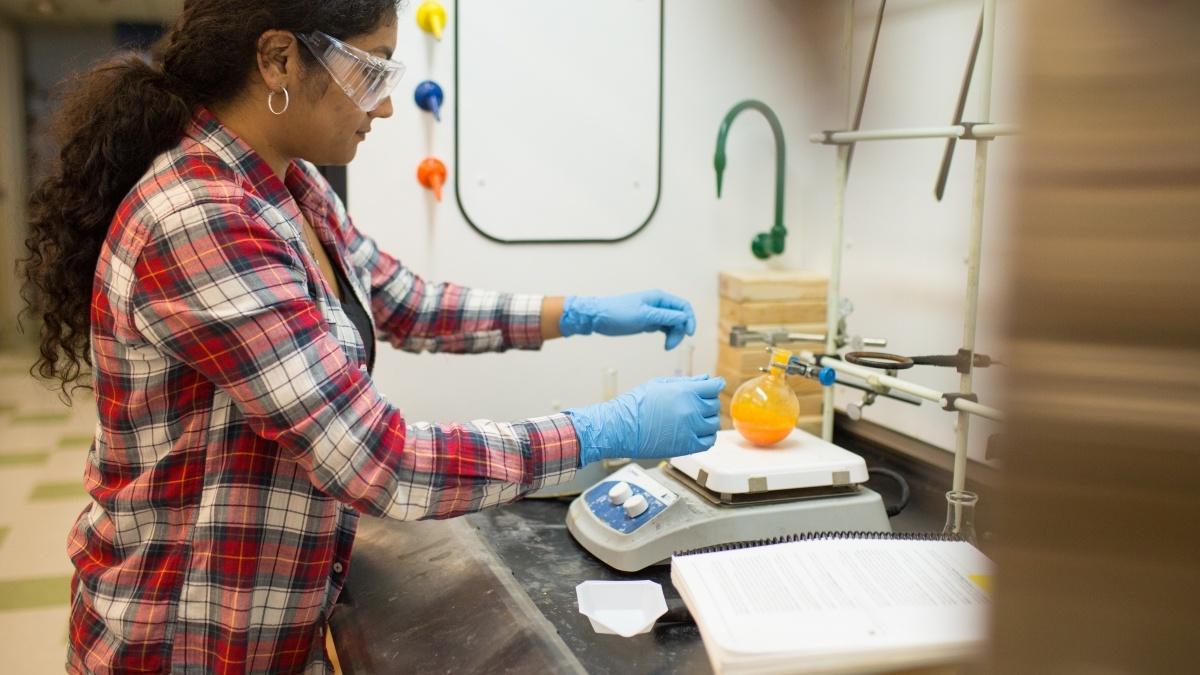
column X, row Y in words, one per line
column 357, row 314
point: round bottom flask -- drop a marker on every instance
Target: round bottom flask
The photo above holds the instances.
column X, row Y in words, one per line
column 765, row 409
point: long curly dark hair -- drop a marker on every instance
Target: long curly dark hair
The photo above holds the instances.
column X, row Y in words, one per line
column 116, row 120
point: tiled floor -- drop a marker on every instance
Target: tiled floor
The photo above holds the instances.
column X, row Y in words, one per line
column 43, row 443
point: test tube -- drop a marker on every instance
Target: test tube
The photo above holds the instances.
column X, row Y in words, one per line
column 687, row 354
column 609, row 387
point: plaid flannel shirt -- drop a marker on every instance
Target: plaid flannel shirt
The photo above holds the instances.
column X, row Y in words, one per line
column 239, row 432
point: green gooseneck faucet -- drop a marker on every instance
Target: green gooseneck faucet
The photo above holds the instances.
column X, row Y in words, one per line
column 770, row 243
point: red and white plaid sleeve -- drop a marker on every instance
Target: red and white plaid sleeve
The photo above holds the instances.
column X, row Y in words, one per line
column 218, row 289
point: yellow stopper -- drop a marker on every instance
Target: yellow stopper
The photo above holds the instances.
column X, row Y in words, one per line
column 431, row 17
column 780, row 358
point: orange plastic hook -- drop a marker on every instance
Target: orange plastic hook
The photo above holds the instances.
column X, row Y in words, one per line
column 432, row 174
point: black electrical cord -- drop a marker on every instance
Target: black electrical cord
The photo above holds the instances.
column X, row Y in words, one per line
column 905, row 494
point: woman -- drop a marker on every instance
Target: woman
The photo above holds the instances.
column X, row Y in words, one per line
column 192, row 256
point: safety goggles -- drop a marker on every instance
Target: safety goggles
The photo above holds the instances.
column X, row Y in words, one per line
column 366, row 79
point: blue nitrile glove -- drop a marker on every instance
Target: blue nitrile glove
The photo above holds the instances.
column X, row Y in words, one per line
column 665, row 417
column 643, row 312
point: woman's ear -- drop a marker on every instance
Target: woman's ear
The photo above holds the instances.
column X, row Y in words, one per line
column 277, row 58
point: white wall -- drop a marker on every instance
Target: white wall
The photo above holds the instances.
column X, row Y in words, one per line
column 906, row 250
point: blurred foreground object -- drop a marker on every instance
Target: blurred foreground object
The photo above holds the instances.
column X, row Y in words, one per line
column 1097, row 552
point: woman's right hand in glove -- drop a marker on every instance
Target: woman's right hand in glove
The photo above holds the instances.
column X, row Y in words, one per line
column 665, row 417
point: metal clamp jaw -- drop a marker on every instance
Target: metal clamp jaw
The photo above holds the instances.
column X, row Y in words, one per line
column 969, row 132
column 740, row 336
column 855, row 410
column 826, row 376
column 949, row 400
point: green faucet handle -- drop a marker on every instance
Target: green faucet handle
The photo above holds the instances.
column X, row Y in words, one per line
column 719, row 165
column 767, row 244
column 760, row 246
column 770, row 243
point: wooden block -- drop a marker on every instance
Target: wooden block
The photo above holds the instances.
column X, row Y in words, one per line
column 724, row 328
column 810, row 404
column 753, row 313
column 761, row 285
column 810, row 423
column 741, row 361
column 734, row 377
column 804, row 386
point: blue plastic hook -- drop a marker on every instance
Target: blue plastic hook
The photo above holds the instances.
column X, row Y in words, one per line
column 429, row 97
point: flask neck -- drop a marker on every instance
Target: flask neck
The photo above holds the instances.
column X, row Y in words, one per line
column 777, row 365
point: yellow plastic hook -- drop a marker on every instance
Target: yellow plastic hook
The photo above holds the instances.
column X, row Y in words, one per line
column 431, row 17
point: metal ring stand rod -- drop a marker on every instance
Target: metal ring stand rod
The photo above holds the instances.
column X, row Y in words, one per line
column 876, row 379
column 971, row 312
column 974, row 131
column 866, row 83
column 834, row 298
column 939, row 188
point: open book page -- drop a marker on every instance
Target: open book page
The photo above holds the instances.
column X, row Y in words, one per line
column 836, row 596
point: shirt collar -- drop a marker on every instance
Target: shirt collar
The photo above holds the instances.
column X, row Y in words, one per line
column 297, row 190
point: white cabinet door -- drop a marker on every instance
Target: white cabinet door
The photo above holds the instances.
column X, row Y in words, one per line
column 558, row 117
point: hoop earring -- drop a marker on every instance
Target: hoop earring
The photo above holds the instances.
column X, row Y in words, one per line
column 287, row 101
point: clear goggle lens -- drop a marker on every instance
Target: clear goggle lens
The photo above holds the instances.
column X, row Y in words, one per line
column 366, row 79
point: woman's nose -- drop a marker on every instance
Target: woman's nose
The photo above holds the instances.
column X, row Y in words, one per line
column 384, row 110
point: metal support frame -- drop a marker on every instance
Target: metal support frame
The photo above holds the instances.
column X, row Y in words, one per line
column 981, row 131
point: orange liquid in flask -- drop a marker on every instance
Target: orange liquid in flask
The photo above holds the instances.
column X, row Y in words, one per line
column 765, row 409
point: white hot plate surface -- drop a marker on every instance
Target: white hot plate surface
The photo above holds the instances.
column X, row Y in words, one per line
column 801, row 460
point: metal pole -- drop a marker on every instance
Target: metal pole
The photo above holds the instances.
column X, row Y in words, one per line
column 833, row 300
column 989, row 130
column 971, row 313
column 939, row 186
column 841, row 137
column 950, row 131
column 866, row 82
column 978, row 409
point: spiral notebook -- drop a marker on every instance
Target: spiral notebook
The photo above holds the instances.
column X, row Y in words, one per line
column 837, row 602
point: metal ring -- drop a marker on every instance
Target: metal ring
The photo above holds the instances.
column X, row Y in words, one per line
column 880, row 360
column 287, row 101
